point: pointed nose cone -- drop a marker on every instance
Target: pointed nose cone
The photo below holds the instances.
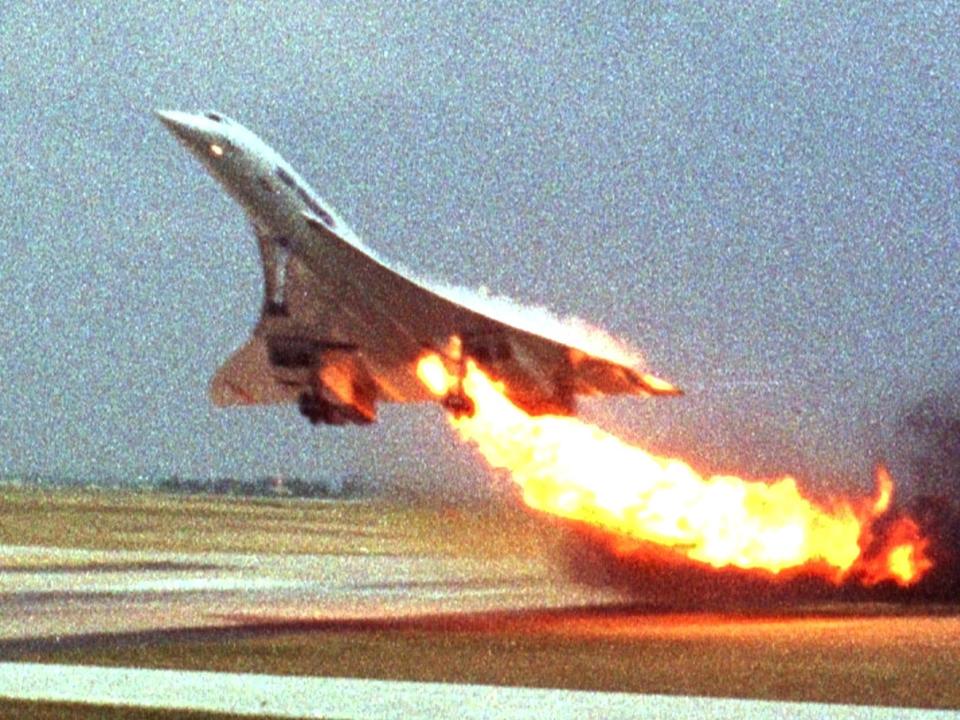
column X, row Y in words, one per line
column 179, row 123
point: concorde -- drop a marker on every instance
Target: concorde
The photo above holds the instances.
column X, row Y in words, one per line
column 340, row 331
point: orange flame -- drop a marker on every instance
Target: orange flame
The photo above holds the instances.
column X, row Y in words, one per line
column 901, row 556
column 571, row 469
column 884, row 491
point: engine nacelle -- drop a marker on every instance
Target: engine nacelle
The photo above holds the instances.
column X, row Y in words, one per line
column 318, row 410
column 526, row 384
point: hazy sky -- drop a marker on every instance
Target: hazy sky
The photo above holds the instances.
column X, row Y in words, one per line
column 765, row 201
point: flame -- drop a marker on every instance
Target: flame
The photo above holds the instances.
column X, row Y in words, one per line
column 659, row 384
column 902, row 563
column 434, row 375
column 884, row 491
column 901, row 555
column 575, row 470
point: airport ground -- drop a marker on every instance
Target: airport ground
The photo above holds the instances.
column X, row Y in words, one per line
column 408, row 591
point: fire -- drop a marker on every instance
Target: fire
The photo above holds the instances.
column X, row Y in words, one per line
column 901, row 562
column 434, row 375
column 884, row 491
column 575, row 470
column 901, row 556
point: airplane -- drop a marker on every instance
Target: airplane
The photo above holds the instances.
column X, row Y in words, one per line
column 340, row 330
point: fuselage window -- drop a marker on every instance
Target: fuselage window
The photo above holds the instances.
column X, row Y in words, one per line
column 315, row 207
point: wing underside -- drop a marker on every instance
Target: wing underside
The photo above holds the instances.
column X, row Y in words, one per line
column 248, row 378
column 349, row 330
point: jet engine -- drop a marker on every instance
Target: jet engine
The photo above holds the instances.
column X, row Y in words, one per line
column 318, row 410
column 528, row 385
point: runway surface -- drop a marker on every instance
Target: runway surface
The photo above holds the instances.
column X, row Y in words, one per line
column 451, row 628
column 50, row 594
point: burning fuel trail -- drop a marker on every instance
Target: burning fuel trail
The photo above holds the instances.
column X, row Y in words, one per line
column 569, row 468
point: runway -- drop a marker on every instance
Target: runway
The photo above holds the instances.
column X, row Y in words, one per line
column 51, row 594
column 407, row 603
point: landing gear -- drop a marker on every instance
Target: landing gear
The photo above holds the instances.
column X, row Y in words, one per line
column 272, row 308
column 312, row 409
column 274, row 257
column 458, row 404
column 454, row 366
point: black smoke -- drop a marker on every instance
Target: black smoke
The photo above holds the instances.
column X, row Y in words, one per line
column 929, row 440
column 654, row 578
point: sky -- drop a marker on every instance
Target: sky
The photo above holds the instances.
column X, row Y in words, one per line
column 763, row 198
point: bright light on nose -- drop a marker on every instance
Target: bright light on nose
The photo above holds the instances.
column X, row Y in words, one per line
column 216, row 150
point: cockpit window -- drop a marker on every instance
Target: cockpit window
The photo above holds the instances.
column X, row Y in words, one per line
column 315, row 207
column 286, row 178
column 216, row 117
column 311, row 202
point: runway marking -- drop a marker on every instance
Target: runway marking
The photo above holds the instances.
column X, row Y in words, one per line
column 315, row 697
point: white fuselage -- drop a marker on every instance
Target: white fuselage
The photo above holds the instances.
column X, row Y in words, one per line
column 354, row 299
column 273, row 194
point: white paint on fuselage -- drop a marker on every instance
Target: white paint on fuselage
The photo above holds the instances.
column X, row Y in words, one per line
column 247, row 168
